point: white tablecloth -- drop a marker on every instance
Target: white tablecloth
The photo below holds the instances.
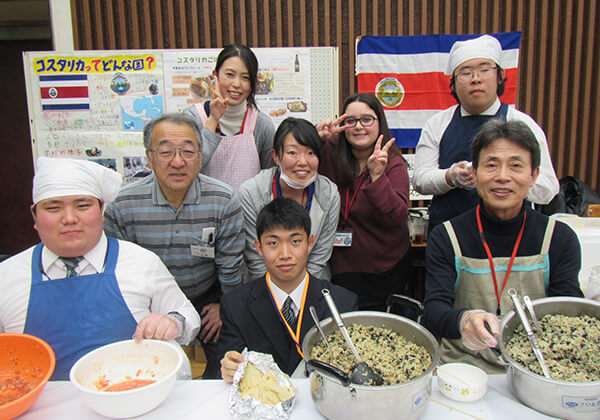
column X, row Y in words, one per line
column 208, row 399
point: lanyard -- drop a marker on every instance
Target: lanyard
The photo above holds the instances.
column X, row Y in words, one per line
column 277, row 191
column 348, row 204
column 489, row 255
column 295, row 336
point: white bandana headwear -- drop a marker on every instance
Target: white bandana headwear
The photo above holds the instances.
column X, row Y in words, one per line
column 57, row 177
column 485, row 46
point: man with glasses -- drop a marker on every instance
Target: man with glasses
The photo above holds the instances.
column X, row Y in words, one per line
column 193, row 222
column 443, row 156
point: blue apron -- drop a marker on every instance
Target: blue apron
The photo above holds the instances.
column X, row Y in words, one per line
column 76, row 315
column 455, row 146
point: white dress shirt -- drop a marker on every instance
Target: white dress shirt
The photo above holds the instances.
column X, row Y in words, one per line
column 296, row 295
column 144, row 281
column 430, row 179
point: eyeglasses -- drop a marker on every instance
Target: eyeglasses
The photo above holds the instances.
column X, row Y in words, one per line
column 484, row 72
column 365, row 121
column 166, row 153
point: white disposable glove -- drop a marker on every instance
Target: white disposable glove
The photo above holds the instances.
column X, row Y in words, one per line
column 474, row 334
column 461, row 175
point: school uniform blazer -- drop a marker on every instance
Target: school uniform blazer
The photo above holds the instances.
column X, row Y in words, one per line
column 251, row 320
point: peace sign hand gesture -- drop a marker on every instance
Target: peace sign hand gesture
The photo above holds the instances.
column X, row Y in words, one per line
column 330, row 129
column 217, row 103
column 378, row 160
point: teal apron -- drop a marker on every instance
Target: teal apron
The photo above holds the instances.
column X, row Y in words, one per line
column 76, row 315
column 475, row 290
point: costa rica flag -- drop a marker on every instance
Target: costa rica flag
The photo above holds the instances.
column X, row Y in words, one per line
column 65, row 92
column 406, row 73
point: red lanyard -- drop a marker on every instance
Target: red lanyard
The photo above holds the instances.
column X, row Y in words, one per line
column 348, row 204
column 294, row 335
column 489, row 255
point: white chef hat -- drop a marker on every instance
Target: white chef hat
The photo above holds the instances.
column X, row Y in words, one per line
column 485, row 46
column 57, row 177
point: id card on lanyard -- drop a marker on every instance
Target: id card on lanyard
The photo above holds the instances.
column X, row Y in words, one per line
column 295, row 336
column 343, row 234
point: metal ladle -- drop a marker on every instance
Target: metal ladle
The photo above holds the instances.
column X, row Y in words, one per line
column 362, row 374
column 315, row 318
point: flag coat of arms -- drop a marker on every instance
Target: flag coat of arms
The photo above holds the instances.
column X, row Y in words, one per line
column 406, row 73
column 64, row 92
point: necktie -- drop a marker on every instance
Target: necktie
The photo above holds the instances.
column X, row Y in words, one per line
column 70, row 264
column 288, row 312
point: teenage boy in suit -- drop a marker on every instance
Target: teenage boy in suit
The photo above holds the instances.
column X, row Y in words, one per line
column 270, row 315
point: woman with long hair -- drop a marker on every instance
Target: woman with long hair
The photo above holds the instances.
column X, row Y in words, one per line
column 297, row 152
column 236, row 137
column 371, row 256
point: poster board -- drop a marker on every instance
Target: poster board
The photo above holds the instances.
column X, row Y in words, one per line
column 94, row 104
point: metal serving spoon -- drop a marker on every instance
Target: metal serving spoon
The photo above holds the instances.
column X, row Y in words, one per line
column 529, row 306
column 315, row 318
column 534, row 344
column 362, row 374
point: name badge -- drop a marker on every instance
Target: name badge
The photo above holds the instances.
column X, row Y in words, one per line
column 203, row 250
column 343, row 237
column 206, row 247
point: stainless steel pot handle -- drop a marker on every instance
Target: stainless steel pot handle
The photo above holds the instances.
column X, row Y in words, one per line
column 395, row 299
column 327, row 370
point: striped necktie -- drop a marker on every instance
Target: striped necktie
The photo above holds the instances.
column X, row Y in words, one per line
column 288, row 312
column 70, row 264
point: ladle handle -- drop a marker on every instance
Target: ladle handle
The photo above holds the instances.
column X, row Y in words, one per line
column 520, row 312
column 340, row 323
column 327, row 369
column 313, row 313
column 534, row 344
column 529, row 306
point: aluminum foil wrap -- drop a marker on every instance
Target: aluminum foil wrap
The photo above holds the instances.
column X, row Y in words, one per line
column 251, row 408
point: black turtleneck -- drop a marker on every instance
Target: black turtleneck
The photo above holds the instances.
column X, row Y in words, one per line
column 565, row 259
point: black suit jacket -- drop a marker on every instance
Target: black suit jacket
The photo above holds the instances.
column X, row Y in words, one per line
column 251, row 320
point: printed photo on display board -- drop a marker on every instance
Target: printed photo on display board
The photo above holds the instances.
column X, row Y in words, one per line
column 282, row 86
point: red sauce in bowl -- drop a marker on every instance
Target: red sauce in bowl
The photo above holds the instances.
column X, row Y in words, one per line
column 127, row 385
column 12, row 387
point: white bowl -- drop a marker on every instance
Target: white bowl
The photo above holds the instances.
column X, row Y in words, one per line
column 124, row 360
column 462, row 382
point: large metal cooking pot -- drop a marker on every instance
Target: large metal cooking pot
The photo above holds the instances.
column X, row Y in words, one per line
column 568, row 400
column 336, row 399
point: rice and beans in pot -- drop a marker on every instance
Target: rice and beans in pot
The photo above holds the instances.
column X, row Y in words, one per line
column 570, row 345
column 392, row 356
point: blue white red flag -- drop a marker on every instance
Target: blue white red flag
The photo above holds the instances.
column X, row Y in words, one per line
column 407, row 75
column 65, row 92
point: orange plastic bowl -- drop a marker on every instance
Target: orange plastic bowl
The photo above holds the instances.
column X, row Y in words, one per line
column 30, row 358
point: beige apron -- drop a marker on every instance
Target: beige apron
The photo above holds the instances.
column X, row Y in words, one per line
column 475, row 290
column 236, row 159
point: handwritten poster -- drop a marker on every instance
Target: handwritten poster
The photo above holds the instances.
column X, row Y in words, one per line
column 94, row 104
